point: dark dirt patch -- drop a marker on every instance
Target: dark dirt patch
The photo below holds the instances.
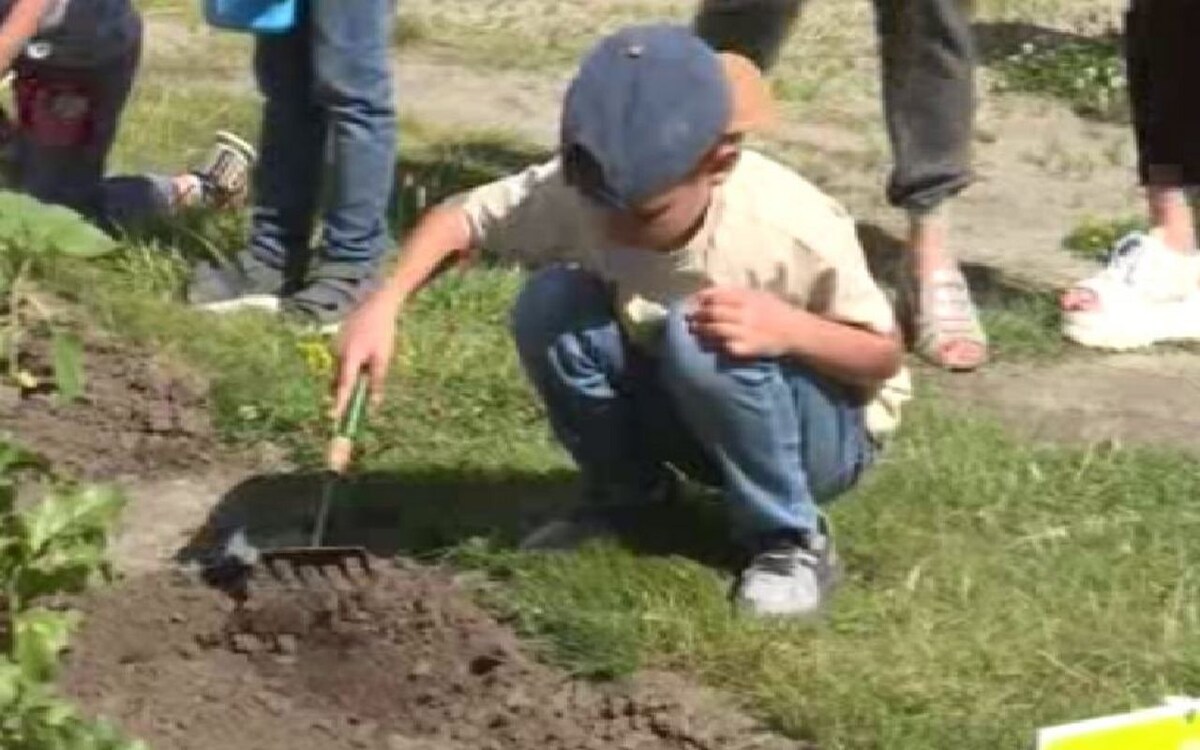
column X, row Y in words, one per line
column 410, row 663
column 138, row 416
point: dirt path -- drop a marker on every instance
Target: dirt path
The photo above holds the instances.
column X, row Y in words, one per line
column 1128, row 399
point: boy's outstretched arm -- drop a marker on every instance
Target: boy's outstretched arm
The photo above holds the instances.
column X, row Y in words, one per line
column 19, row 26
column 368, row 336
column 745, row 323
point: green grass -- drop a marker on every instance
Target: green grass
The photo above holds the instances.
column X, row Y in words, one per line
column 1024, row 327
column 1088, row 74
column 994, row 587
column 1094, row 238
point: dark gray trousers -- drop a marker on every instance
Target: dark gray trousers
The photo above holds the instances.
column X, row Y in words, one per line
column 928, row 59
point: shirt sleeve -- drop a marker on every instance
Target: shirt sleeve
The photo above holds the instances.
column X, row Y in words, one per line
column 844, row 289
column 526, row 217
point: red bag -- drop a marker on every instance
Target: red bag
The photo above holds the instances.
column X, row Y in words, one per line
column 55, row 111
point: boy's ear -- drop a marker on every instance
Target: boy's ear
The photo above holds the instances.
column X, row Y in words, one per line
column 721, row 159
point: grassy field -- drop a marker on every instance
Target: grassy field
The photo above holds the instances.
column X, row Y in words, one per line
column 994, row 586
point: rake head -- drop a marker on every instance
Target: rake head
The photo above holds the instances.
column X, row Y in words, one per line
column 306, row 565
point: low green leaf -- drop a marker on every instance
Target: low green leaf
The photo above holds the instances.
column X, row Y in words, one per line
column 39, row 636
column 14, row 457
column 10, row 684
column 67, row 515
column 38, row 228
column 68, row 366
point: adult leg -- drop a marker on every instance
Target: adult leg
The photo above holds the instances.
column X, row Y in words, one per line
column 1148, row 293
column 928, row 61
column 754, row 28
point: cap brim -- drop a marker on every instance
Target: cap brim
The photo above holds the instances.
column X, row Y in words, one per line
column 753, row 103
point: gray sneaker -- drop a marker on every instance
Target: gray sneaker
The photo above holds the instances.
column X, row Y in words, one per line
column 334, row 290
column 244, row 283
column 594, row 521
column 792, row 576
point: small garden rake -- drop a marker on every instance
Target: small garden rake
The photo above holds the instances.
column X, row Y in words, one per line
column 317, row 560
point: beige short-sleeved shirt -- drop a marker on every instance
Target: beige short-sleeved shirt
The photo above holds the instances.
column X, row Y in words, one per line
column 767, row 229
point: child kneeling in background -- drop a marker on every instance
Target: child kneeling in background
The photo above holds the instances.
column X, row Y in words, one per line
column 74, row 62
column 698, row 306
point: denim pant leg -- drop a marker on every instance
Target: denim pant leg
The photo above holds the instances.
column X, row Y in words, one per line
column 353, row 86
column 928, row 60
column 291, row 147
column 572, row 349
column 782, row 437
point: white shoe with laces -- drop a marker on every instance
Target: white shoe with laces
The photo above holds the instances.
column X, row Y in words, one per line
column 790, row 577
column 1147, row 294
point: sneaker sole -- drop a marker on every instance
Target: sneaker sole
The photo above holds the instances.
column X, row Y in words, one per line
column 264, row 302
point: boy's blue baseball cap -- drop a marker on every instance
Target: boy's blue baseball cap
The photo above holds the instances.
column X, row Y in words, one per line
column 646, row 106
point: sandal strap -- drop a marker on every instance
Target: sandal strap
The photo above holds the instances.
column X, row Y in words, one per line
column 946, row 313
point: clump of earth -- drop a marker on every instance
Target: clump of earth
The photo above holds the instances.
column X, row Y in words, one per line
column 404, row 660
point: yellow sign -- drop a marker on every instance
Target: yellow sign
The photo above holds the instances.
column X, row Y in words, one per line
column 1175, row 726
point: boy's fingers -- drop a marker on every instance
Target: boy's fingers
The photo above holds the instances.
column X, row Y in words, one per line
column 715, row 314
column 719, row 295
column 718, row 331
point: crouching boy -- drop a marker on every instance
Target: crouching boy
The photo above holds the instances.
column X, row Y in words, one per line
column 698, row 307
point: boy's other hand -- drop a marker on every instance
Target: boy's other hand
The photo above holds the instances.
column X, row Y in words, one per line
column 367, row 341
column 743, row 323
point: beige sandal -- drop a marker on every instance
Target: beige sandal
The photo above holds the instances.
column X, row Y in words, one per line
column 943, row 316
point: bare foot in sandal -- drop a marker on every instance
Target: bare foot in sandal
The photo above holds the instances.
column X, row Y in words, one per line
column 948, row 331
column 943, row 315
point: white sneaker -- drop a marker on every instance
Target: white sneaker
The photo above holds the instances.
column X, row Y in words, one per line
column 789, row 579
column 1147, row 294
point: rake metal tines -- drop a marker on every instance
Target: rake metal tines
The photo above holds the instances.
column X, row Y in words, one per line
column 318, row 566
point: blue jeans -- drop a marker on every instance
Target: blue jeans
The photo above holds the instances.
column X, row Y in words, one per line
column 775, row 436
column 328, row 91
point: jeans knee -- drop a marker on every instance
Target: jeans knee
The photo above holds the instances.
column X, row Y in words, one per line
column 555, row 302
column 692, row 368
column 350, row 77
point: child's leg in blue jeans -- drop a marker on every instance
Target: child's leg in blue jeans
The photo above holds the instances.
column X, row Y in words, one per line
column 353, row 78
column 776, row 437
column 782, row 438
column 291, row 149
column 344, row 84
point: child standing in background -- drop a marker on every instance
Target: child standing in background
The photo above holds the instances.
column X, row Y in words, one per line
column 74, row 63
column 328, row 142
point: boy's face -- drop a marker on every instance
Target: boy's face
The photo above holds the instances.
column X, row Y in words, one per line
column 664, row 222
column 668, row 220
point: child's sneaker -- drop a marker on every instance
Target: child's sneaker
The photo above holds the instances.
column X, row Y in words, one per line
column 223, row 181
column 1147, row 294
column 334, row 290
column 244, row 283
column 791, row 576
